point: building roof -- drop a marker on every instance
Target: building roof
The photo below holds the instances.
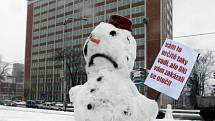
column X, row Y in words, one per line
column 31, row 1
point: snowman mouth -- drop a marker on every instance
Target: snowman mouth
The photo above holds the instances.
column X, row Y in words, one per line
column 110, row 59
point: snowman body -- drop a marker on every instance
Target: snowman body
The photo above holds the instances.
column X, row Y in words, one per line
column 109, row 94
column 101, row 99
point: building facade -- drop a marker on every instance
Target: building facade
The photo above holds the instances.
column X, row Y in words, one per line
column 18, row 74
column 7, row 88
column 12, row 87
column 54, row 26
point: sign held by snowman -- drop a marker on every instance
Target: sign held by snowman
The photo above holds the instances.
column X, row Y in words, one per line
column 171, row 68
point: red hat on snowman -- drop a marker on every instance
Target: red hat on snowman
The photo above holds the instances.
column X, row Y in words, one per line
column 121, row 22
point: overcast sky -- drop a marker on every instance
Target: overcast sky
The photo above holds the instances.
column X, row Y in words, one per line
column 189, row 17
column 194, row 17
column 12, row 30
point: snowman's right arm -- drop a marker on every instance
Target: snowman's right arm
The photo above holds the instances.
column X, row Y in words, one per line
column 73, row 92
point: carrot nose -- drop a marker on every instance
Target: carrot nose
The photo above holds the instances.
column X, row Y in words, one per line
column 95, row 40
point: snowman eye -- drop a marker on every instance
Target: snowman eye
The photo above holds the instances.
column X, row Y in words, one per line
column 90, row 36
column 128, row 39
column 113, row 33
column 85, row 49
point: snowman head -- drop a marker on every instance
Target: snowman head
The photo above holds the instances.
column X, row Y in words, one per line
column 110, row 47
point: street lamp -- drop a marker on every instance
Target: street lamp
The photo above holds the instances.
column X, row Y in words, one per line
column 64, row 55
column 145, row 21
column 72, row 19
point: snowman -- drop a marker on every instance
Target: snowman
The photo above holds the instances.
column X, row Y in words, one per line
column 109, row 94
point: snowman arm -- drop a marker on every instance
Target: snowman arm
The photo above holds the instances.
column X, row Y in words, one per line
column 73, row 92
column 133, row 88
column 147, row 107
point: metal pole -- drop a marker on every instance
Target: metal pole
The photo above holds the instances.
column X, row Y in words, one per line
column 145, row 21
column 64, row 60
column 64, row 66
column 64, row 82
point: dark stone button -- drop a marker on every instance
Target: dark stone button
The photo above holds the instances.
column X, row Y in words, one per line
column 99, row 79
column 89, row 106
column 92, row 90
column 125, row 112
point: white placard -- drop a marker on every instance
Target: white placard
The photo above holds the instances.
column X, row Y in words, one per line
column 171, row 68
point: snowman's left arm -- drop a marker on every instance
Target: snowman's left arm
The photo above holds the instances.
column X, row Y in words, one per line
column 73, row 92
column 133, row 88
column 148, row 107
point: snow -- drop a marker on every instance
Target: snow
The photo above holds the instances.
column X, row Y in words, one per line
column 209, row 88
column 27, row 114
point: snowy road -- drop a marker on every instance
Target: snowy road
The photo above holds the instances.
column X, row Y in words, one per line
column 27, row 114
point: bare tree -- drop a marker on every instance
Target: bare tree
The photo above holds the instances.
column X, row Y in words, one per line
column 75, row 66
column 202, row 70
column 4, row 70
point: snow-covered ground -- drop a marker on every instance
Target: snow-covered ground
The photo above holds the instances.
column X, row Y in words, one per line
column 28, row 114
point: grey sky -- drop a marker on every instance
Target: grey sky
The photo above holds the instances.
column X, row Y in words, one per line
column 12, row 30
column 194, row 17
column 190, row 17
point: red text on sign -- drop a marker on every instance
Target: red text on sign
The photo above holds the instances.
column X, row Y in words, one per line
column 173, row 66
column 169, row 54
column 164, row 81
column 170, row 46
column 153, row 76
column 174, row 76
column 182, row 69
column 162, row 61
column 159, row 69
column 179, row 49
column 182, row 60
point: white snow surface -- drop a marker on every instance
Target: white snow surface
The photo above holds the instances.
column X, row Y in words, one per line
column 73, row 92
column 114, row 99
column 27, row 114
column 109, row 94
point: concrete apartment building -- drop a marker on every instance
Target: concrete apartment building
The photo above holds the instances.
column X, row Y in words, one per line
column 18, row 74
column 7, row 88
column 47, row 35
column 12, row 87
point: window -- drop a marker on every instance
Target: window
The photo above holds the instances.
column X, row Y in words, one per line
column 140, row 53
column 140, row 30
column 60, row 2
column 140, row 41
column 36, row 11
column 58, row 45
column 138, row 9
column 111, row 5
column 135, row 1
column 52, row 13
column 97, row 1
column 51, row 6
column 123, row 2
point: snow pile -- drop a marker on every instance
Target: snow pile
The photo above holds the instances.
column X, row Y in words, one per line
column 27, row 114
column 109, row 94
